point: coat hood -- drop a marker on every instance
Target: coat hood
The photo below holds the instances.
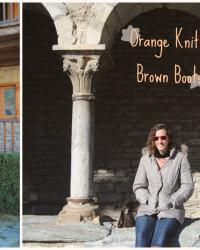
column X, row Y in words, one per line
column 182, row 148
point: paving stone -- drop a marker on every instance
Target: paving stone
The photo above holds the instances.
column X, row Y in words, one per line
column 47, row 229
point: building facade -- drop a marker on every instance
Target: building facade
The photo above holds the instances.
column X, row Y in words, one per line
column 9, row 78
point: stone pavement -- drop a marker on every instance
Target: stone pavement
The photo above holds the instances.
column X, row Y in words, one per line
column 9, row 231
column 45, row 231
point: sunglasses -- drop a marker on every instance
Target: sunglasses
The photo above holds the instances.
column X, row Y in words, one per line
column 164, row 137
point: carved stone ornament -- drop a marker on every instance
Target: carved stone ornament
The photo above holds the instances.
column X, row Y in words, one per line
column 81, row 69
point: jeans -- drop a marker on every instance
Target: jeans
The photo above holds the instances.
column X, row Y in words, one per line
column 151, row 231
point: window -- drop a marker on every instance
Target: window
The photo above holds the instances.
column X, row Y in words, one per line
column 9, row 12
column 9, row 101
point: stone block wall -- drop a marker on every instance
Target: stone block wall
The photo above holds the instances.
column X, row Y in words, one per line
column 192, row 206
column 46, row 119
column 124, row 112
column 126, row 109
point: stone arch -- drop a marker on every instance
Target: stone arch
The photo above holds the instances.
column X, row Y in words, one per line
column 104, row 27
column 36, row 7
column 114, row 18
column 99, row 23
column 60, row 13
column 54, row 11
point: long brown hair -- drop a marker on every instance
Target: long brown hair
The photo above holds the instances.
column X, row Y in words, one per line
column 150, row 142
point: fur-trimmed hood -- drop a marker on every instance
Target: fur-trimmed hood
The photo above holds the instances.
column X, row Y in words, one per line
column 182, row 148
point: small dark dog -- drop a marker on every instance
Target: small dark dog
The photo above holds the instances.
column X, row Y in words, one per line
column 126, row 218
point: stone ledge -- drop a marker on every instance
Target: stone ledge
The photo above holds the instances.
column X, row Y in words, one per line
column 46, row 231
column 80, row 47
column 125, row 237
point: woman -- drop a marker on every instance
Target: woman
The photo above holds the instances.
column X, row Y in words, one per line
column 162, row 184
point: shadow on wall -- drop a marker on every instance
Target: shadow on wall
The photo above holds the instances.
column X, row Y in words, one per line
column 46, row 118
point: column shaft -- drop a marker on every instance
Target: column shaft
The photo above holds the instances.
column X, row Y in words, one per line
column 82, row 149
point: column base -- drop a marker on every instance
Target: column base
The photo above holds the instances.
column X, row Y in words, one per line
column 78, row 211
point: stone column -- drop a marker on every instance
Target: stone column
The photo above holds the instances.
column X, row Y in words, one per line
column 80, row 204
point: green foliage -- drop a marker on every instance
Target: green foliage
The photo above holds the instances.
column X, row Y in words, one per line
column 9, row 183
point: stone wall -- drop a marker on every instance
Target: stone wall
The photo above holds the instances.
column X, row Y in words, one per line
column 125, row 111
column 192, row 206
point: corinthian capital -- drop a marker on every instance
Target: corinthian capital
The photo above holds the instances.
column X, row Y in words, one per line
column 81, row 69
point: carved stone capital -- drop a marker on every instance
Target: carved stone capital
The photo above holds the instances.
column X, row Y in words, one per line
column 81, row 69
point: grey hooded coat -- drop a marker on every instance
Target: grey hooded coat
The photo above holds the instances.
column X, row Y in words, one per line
column 163, row 191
